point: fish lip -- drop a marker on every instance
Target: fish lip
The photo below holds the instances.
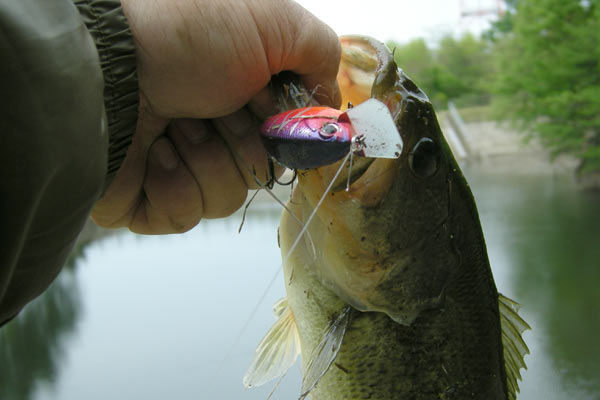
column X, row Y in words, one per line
column 355, row 175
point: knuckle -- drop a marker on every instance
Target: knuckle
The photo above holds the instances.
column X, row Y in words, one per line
column 182, row 225
column 230, row 205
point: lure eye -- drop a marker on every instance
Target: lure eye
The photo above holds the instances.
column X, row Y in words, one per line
column 424, row 159
column 329, row 129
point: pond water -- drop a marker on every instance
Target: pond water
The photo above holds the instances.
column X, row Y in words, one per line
column 143, row 317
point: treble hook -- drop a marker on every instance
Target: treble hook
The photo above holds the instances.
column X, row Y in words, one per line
column 273, row 179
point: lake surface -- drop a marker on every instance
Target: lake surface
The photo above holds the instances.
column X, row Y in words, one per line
column 143, row 317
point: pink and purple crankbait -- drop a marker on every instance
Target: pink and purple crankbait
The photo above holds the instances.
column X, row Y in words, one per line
column 311, row 137
column 307, row 137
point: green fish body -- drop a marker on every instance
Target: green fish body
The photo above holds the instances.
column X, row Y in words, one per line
column 390, row 294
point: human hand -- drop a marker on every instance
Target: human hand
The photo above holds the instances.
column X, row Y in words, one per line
column 201, row 67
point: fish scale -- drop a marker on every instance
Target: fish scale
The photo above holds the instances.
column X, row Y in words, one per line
column 409, row 351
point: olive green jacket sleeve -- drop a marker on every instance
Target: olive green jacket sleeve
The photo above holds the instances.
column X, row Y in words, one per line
column 67, row 83
column 108, row 26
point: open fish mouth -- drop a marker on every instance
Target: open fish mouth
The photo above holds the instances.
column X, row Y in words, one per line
column 353, row 172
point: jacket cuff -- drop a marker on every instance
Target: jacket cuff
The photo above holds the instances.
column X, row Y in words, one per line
column 108, row 26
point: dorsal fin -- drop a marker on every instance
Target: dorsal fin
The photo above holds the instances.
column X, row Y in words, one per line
column 512, row 342
column 277, row 351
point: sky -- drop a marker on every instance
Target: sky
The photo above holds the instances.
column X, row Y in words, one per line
column 402, row 20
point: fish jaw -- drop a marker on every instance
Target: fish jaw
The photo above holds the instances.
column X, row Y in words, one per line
column 338, row 232
column 367, row 250
column 356, row 254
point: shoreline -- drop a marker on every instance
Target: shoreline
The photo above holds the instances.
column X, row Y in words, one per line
column 495, row 147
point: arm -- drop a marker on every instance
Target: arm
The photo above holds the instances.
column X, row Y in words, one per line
column 116, row 50
column 53, row 153
column 199, row 62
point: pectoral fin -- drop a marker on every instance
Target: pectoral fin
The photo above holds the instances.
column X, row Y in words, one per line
column 512, row 342
column 325, row 353
column 278, row 350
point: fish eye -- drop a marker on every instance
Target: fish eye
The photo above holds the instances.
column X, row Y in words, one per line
column 424, row 159
column 329, row 129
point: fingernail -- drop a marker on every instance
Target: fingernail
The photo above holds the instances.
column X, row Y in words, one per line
column 337, row 95
column 165, row 154
column 328, row 94
column 194, row 130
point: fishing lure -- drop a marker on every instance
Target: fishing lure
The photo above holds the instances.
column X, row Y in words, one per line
column 311, row 137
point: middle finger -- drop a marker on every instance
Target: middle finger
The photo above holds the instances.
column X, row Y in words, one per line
column 211, row 163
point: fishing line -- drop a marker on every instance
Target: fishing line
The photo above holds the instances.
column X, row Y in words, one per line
column 261, row 185
column 276, row 386
column 280, row 267
column 314, row 211
column 312, row 244
column 246, row 210
column 270, row 192
column 305, row 227
column 288, row 118
column 349, row 171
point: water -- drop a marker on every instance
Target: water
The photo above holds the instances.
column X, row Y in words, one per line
column 154, row 317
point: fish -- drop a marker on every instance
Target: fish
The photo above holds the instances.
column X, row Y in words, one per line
column 389, row 290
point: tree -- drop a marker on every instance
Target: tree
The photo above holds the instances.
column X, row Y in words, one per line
column 504, row 24
column 549, row 75
column 468, row 62
column 457, row 69
column 417, row 60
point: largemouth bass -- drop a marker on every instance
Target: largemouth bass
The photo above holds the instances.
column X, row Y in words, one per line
column 390, row 294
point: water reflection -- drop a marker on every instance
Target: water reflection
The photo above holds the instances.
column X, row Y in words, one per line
column 32, row 346
column 548, row 235
column 154, row 317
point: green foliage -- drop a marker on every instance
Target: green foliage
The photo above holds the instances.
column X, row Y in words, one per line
column 540, row 62
column 467, row 59
column 504, row 24
column 458, row 69
column 548, row 80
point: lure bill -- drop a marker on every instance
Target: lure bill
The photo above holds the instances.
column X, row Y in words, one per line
column 376, row 134
column 312, row 137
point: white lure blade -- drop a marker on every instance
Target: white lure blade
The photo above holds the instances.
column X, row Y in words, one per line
column 375, row 131
column 325, row 353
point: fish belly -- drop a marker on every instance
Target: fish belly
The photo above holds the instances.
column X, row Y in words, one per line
column 439, row 356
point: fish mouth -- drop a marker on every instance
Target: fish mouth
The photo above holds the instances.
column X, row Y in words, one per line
column 354, row 171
